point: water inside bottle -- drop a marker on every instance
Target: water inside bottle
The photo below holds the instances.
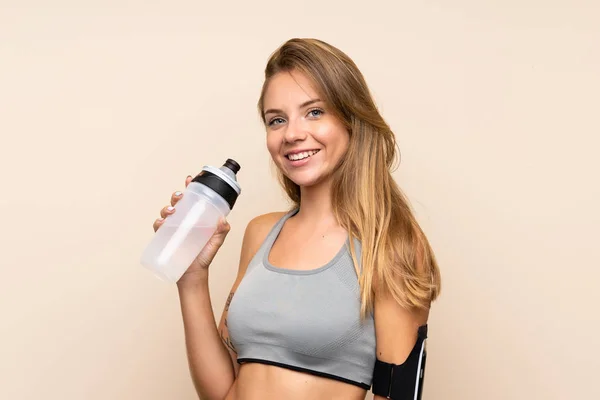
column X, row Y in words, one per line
column 180, row 250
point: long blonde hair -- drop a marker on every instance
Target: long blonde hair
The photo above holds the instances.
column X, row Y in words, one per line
column 396, row 256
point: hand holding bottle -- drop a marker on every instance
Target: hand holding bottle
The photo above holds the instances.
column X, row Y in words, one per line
column 197, row 269
column 192, row 229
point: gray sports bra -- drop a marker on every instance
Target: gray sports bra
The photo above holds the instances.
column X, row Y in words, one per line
column 307, row 321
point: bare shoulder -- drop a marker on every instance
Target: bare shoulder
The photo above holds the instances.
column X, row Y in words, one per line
column 259, row 227
column 256, row 232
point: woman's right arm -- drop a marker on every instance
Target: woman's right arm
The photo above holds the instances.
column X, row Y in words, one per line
column 209, row 362
column 212, row 358
column 211, row 355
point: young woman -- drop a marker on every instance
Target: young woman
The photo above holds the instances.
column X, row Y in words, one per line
column 332, row 296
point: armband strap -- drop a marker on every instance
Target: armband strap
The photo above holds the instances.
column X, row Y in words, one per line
column 404, row 381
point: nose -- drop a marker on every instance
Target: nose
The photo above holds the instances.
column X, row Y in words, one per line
column 295, row 131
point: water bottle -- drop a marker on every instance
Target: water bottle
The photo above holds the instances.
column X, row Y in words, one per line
column 178, row 241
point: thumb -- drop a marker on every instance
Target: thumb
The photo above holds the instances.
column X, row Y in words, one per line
column 223, row 227
column 208, row 253
column 218, row 237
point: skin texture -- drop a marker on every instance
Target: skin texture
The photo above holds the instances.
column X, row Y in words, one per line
column 296, row 119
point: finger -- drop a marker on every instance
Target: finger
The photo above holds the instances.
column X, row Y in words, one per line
column 166, row 211
column 209, row 251
column 157, row 224
column 218, row 237
column 175, row 197
column 223, row 227
column 188, row 180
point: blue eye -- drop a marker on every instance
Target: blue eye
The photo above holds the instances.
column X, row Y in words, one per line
column 315, row 113
column 276, row 121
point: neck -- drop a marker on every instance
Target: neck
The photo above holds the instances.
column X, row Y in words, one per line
column 315, row 206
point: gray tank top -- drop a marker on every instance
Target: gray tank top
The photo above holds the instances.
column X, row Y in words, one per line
column 307, row 321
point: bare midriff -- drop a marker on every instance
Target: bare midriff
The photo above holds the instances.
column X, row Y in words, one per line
column 266, row 382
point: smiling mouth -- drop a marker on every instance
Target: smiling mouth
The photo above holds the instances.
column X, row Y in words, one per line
column 301, row 156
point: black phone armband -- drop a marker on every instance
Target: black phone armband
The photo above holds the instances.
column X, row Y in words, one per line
column 404, row 381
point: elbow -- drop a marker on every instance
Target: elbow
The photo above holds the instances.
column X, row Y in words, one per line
column 216, row 393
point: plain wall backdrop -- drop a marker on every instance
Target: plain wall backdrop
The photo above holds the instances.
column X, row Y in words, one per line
column 106, row 106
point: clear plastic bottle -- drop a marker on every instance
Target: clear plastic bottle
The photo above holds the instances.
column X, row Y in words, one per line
column 178, row 241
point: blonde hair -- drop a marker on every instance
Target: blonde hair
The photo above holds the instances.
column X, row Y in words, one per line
column 396, row 256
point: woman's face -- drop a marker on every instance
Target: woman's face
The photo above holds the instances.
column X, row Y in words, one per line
column 304, row 138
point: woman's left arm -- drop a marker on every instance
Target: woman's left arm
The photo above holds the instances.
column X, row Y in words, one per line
column 397, row 334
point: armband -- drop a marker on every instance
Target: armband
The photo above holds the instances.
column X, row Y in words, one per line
column 404, row 381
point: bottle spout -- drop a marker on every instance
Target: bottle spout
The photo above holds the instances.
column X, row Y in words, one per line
column 231, row 168
column 232, row 165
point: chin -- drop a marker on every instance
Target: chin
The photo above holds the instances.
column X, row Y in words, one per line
column 306, row 180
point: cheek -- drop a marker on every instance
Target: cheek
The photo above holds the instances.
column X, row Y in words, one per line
column 336, row 139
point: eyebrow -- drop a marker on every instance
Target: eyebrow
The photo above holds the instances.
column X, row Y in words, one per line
column 305, row 104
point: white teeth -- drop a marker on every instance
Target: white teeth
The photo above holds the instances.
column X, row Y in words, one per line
column 301, row 156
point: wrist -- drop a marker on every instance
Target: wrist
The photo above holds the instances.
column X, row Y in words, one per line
column 193, row 280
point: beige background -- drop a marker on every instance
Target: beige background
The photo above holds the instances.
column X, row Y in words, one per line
column 106, row 106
